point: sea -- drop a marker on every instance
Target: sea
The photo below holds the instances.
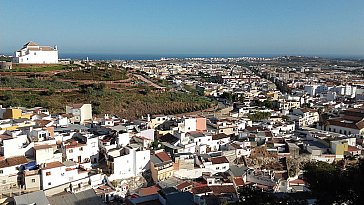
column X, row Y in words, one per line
column 103, row 56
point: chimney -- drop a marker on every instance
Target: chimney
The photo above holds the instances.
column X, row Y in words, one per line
column 148, row 117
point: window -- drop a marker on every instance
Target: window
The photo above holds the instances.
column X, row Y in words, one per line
column 4, row 181
column 224, row 167
column 48, row 173
column 1, row 171
column 33, row 180
column 81, row 148
column 217, row 168
column 49, row 183
column 70, row 151
column 35, row 53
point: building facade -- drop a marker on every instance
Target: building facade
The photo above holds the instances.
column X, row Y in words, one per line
column 32, row 53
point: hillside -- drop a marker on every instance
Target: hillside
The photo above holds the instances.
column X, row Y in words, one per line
column 128, row 104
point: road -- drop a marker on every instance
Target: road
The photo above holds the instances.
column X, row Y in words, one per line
column 140, row 77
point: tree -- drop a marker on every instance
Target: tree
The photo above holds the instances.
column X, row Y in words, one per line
column 253, row 195
column 227, row 95
column 330, row 184
column 258, row 116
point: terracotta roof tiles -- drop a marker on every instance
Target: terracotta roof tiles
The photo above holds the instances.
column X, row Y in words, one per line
column 163, row 156
column 219, row 160
column 52, row 165
column 13, row 161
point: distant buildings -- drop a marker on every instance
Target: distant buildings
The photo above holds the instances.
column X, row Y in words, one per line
column 32, row 53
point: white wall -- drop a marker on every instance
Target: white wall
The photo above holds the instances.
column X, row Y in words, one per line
column 123, row 139
column 14, row 147
column 39, row 57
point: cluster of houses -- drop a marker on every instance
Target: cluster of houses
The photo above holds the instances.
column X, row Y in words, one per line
column 257, row 137
column 165, row 159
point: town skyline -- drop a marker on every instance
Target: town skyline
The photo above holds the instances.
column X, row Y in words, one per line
column 195, row 28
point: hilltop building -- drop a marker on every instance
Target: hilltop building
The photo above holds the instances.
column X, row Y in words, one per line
column 32, row 53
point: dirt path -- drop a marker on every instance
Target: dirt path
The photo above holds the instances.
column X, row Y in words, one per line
column 140, row 77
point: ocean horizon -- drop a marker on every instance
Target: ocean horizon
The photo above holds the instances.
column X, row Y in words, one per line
column 103, row 56
column 106, row 56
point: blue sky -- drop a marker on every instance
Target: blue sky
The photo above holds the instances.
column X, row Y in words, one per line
column 307, row 27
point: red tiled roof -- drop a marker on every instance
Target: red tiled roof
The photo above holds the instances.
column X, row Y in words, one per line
column 184, row 185
column 163, row 156
column 30, row 43
column 236, row 146
column 238, row 181
column 75, row 145
column 222, row 189
column 219, row 136
column 52, row 165
column 45, row 146
column 201, row 190
column 254, row 128
column 5, row 137
column 268, row 134
column 13, row 161
column 339, row 122
column 42, row 123
column 219, row 160
column 77, row 106
column 353, row 149
column 297, row 181
column 149, row 190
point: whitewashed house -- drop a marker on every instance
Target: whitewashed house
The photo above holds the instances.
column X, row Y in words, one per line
column 32, row 53
column 80, row 112
column 128, row 162
column 82, row 148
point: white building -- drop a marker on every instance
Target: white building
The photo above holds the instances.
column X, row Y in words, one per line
column 128, row 162
column 32, row 53
column 14, row 143
column 82, row 149
column 80, row 112
column 55, row 174
column 304, row 117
